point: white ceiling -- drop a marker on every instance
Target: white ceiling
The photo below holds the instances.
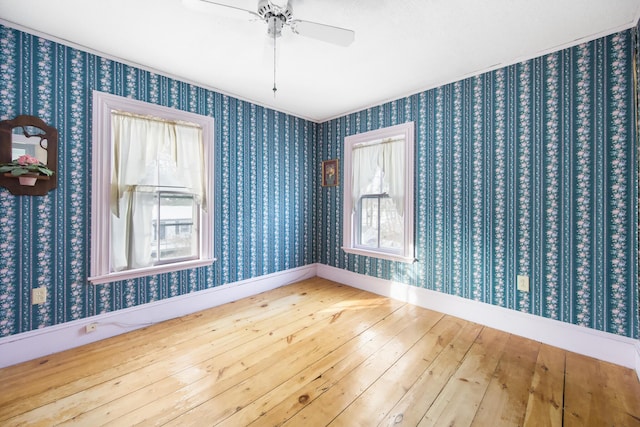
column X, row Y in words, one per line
column 401, row 47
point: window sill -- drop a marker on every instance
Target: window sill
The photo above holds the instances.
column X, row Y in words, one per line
column 149, row 271
column 382, row 255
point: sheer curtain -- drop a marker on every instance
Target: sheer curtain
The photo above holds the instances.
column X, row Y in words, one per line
column 379, row 168
column 394, row 172
column 366, row 172
column 148, row 153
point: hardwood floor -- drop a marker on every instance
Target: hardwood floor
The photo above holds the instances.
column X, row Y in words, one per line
column 317, row 353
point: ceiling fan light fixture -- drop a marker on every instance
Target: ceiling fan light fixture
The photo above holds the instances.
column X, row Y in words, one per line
column 275, row 26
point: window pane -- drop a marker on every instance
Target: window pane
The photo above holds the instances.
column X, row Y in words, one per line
column 175, row 222
column 369, row 222
column 391, row 226
column 381, row 227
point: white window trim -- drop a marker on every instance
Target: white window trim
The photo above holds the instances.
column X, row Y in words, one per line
column 103, row 104
column 348, row 228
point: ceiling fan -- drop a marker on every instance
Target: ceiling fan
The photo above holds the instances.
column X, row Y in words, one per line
column 279, row 14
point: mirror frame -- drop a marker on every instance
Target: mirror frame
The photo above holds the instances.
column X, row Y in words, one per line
column 44, row 184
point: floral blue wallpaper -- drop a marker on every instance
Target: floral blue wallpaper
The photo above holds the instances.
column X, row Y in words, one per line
column 526, row 170
column 530, row 169
column 265, row 181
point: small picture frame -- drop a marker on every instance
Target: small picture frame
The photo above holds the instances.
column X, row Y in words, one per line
column 330, row 173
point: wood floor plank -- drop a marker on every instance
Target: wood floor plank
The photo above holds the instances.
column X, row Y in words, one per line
column 624, row 389
column 415, row 403
column 283, row 402
column 505, row 401
column 459, row 400
column 592, row 398
column 318, row 353
column 580, row 404
column 232, row 400
column 544, row 407
column 373, row 405
column 333, row 401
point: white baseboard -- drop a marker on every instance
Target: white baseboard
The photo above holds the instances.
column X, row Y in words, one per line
column 605, row 346
column 42, row 342
column 638, row 358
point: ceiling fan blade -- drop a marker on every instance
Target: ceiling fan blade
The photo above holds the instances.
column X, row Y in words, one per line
column 327, row 33
column 220, row 9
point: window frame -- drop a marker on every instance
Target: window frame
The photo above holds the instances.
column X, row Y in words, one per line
column 103, row 104
column 349, row 225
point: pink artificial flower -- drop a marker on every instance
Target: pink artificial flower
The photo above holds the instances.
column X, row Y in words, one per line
column 28, row 160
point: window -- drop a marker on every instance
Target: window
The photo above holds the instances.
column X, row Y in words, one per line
column 152, row 187
column 378, row 193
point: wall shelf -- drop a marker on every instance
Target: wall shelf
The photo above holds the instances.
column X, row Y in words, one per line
column 13, row 133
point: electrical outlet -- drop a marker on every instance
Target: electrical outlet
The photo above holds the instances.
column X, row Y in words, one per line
column 91, row 327
column 523, row 283
column 39, row 295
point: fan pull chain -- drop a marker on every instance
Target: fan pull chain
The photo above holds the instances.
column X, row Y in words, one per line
column 274, row 58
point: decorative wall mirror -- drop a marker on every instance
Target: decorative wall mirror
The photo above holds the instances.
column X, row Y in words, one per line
column 30, row 136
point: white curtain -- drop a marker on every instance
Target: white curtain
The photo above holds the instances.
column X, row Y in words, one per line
column 147, row 154
column 379, row 168
column 366, row 172
column 394, row 173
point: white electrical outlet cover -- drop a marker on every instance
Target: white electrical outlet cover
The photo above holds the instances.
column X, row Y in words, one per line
column 523, row 283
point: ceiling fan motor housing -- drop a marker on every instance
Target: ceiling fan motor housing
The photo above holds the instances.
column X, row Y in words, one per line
column 276, row 16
